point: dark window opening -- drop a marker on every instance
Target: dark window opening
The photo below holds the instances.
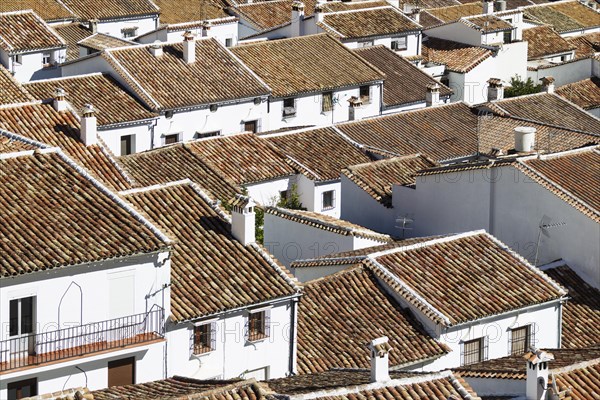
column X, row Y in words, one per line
column 204, row 338
column 170, row 139
column 126, row 145
column 258, row 326
column 289, row 107
column 22, row 389
column 327, row 102
column 474, row 351
column 365, row 94
column 121, row 372
column 328, row 200
column 251, row 126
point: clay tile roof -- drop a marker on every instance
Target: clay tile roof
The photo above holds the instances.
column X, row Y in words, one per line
column 11, row 91
column 243, row 158
column 214, row 272
column 174, row 163
column 72, row 33
column 489, row 23
column 10, row 143
column 48, row 10
column 543, row 41
column 327, row 223
column 564, row 16
column 548, row 109
column 370, row 22
column 179, row 388
column 572, row 176
column 464, row 277
column 168, row 82
column 457, row 57
column 112, row 102
column 306, row 64
column 585, row 45
column 341, row 313
column 100, row 41
column 581, row 382
column 108, row 9
column 581, row 314
column 377, row 178
column 24, row 31
column 263, row 15
column 425, row 4
column 455, row 12
column 62, row 217
column 404, row 82
column 40, row 122
column 320, row 154
column 180, row 11
column 334, row 6
column 440, row 133
column 585, row 93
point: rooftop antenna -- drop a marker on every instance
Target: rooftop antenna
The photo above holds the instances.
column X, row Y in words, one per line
column 405, row 224
column 545, row 225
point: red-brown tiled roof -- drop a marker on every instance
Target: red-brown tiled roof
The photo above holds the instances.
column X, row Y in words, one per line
column 582, row 383
column 72, row 33
column 48, row 10
column 54, row 216
column 543, row 41
column 458, row 57
column 108, row 9
column 11, row 91
column 565, row 16
column 213, row 272
column 263, row 15
column 341, row 313
column 180, row 11
column 450, row 13
column 24, row 31
column 101, row 41
column 10, row 143
column 585, row 45
column 584, row 93
column 379, row 21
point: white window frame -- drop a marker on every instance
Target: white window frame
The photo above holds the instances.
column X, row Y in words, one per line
column 365, row 43
column 132, row 149
column 395, row 40
column 164, row 137
column 323, row 207
column 283, row 107
column 213, row 336
column 267, row 323
column 207, row 134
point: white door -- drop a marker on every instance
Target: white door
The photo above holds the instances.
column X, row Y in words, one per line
column 22, row 326
column 121, row 306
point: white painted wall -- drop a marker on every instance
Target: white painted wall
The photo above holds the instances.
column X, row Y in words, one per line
column 267, row 193
column 457, row 32
column 580, row 32
column 510, row 206
column 112, row 137
column 234, row 355
column 305, row 274
column 311, row 195
column 413, row 43
column 565, row 73
column 144, row 24
column 220, row 31
column 496, row 387
column 31, row 67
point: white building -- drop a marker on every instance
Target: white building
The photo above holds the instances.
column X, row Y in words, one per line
column 584, row 93
column 30, row 49
column 55, row 271
column 568, row 17
column 224, row 29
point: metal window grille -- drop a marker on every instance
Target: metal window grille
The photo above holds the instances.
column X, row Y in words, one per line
column 289, row 107
column 328, row 200
column 474, row 351
column 399, row 43
column 259, row 325
column 327, row 103
column 521, row 339
column 204, row 338
column 365, row 94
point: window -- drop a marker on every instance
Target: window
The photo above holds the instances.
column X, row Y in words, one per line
column 129, row 32
column 507, row 36
column 328, row 200
column 201, row 135
column 399, row 43
column 445, row 80
column 258, row 325
column 45, row 59
column 251, row 126
column 22, row 389
column 474, row 351
column 365, row 94
column 121, row 372
column 283, row 195
column 521, row 339
column 19, row 59
column 21, row 321
column 228, row 42
column 126, row 145
column 563, row 58
column 204, row 338
column 169, row 114
column 327, row 102
column 170, row 139
column 366, row 43
column 213, row 107
column 289, row 107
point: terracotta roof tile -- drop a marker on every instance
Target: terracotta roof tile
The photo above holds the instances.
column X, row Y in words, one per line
column 174, row 163
column 24, row 31
column 379, row 21
column 10, row 143
column 327, row 223
column 72, row 34
column 63, row 218
column 312, row 152
column 458, row 57
column 543, row 41
column 404, row 82
column 100, row 41
column 377, row 178
column 581, row 314
column 585, row 93
column 113, row 103
column 453, row 13
column 335, row 6
column 341, row 313
column 264, row 15
column 243, row 158
column 488, row 23
column 466, row 277
column 582, row 383
column 48, row 10
column 440, row 133
column 11, row 91
column 306, row 64
column 585, row 45
column 168, row 82
column 564, row 16
column 214, row 272
column 425, row 4
column 42, row 123
column 107, row 9
column 180, row 11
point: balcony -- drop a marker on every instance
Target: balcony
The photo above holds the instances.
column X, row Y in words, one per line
column 32, row 350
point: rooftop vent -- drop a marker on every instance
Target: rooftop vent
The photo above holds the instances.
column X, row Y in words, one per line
column 189, row 47
column 60, row 102
column 156, row 48
column 524, row 139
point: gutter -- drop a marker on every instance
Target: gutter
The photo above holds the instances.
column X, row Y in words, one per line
column 293, row 333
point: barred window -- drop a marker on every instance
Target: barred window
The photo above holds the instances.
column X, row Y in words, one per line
column 521, row 339
column 289, row 107
column 365, row 94
column 258, row 325
column 327, row 101
column 328, row 198
column 204, row 338
column 399, row 43
column 474, row 351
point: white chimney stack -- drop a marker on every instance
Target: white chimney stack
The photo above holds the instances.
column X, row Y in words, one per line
column 243, row 219
column 488, row 6
column 416, row 14
column 380, row 349
column 495, row 89
column 537, row 374
column 501, row 5
column 60, row 103
column 206, row 25
column 94, row 26
column 89, row 125
column 298, row 18
column 432, row 98
column 189, row 47
column 353, row 104
column 524, row 139
column 156, row 48
column 548, row 84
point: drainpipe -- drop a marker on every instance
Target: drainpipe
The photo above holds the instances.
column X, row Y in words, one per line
column 380, row 98
column 293, row 349
column 560, row 325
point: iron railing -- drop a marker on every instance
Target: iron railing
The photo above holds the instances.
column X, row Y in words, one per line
column 38, row 348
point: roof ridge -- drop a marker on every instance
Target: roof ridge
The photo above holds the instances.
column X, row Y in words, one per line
column 579, row 365
column 27, row 153
column 24, row 139
column 283, row 272
column 361, row 9
column 336, row 274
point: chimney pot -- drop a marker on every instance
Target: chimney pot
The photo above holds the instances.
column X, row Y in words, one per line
column 501, row 5
column 380, row 349
column 298, row 18
column 189, row 47
column 524, row 139
column 156, row 48
column 537, row 374
column 94, row 26
column 548, row 84
column 488, row 6
column 60, row 102
column 416, row 14
column 432, row 97
column 353, row 103
column 243, row 219
column 495, row 89
column 89, row 125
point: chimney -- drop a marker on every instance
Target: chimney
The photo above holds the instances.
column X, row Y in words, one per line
column 432, row 98
column 495, row 89
column 297, row 18
column 537, row 374
column 60, row 103
column 94, row 26
column 206, row 25
column 89, row 125
column 156, row 48
column 319, row 11
column 353, row 103
column 189, row 48
column 548, row 84
column 524, row 139
column 416, row 14
column 500, row 5
column 488, row 6
column 380, row 349
column 243, row 219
